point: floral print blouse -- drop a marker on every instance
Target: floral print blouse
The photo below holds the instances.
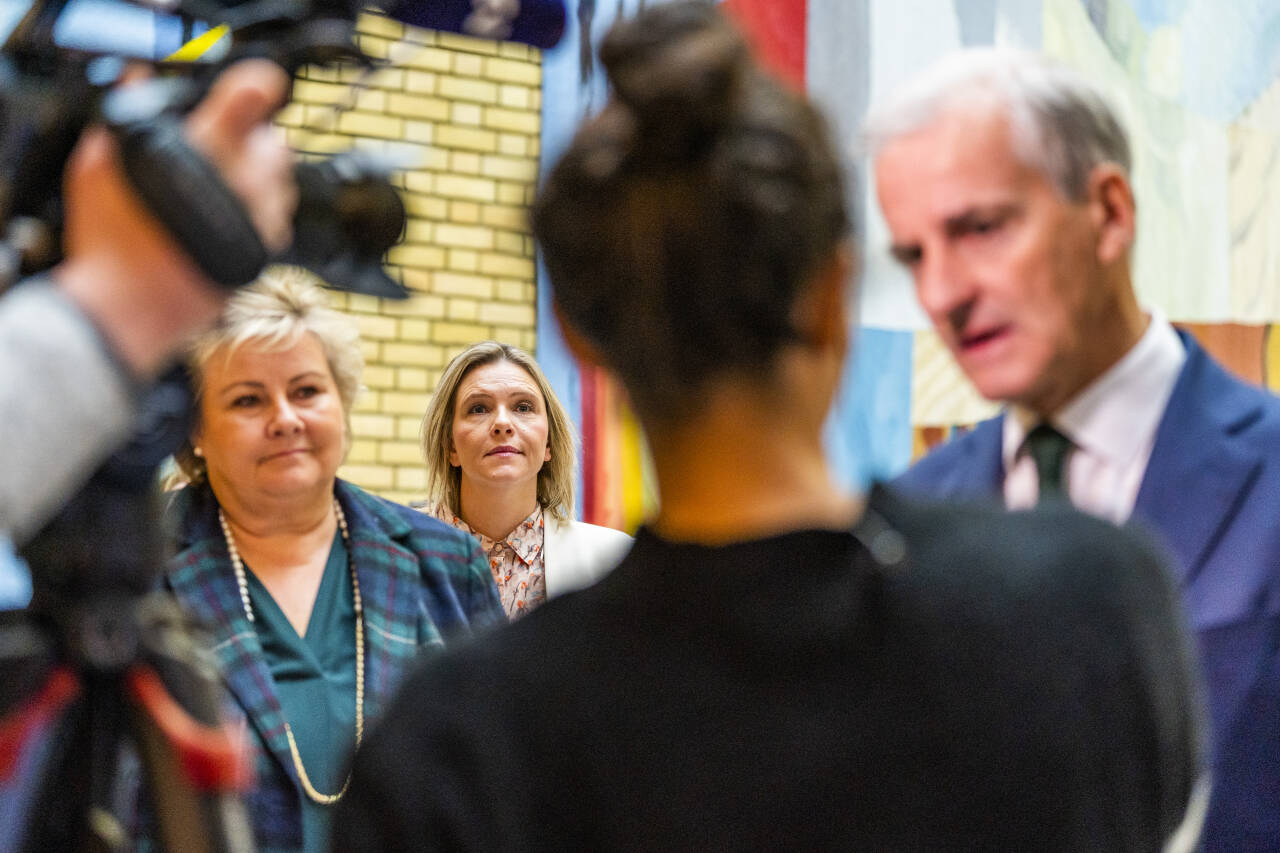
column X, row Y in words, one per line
column 516, row 562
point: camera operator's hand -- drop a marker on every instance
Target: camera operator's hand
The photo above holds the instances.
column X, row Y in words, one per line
column 123, row 268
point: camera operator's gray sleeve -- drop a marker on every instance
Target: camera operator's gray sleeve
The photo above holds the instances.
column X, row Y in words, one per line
column 65, row 404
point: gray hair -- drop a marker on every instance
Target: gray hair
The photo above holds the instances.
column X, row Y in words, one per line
column 1060, row 123
column 276, row 311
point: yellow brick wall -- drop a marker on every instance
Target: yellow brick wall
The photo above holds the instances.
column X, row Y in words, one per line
column 465, row 113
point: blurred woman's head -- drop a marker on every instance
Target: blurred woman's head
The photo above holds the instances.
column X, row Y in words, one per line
column 685, row 222
column 275, row 381
column 494, row 420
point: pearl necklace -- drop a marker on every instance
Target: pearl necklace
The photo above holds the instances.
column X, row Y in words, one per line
column 242, row 582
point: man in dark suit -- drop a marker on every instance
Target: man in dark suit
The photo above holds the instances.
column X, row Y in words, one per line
column 1004, row 182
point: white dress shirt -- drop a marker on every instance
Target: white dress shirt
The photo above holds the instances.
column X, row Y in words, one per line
column 1112, row 424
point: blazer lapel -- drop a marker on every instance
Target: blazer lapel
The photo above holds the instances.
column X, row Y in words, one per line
column 203, row 582
column 1198, row 474
column 396, row 627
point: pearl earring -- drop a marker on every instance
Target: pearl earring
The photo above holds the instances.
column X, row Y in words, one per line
column 198, row 452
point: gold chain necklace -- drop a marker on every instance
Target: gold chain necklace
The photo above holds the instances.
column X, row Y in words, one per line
column 242, row 582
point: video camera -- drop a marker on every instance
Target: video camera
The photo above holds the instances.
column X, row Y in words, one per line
column 348, row 213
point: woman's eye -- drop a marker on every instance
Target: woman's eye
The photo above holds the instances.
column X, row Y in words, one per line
column 477, row 409
column 525, row 407
column 306, row 391
column 244, row 401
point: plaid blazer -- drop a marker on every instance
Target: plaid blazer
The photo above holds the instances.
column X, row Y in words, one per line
column 423, row 584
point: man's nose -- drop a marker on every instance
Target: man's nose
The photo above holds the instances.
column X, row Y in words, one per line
column 943, row 286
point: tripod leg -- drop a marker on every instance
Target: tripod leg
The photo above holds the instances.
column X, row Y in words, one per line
column 195, row 768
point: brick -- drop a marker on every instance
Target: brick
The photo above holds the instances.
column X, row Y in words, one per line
column 464, row 212
column 516, row 50
column 371, row 124
column 459, row 284
column 373, row 425
column 412, row 479
column 378, row 376
column 509, row 243
column 460, row 186
column 398, row 496
column 325, row 74
column 513, row 144
column 362, row 450
column 373, row 326
column 429, row 59
column 513, row 71
column 462, row 309
column 413, row 331
column 399, row 453
column 418, row 35
column 291, row 116
column 468, row 44
column 467, row 89
column 420, row 182
column 510, row 168
column 462, row 260
column 509, row 193
column 362, row 303
column 420, row 82
column 371, row 350
column 467, row 138
column 503, row 216
column 387, row 77
column 514, row 97
column 419, row 231
column 409, row 428
column 419, row 304
column 371, row 477
column 368, row 403
column 418, row 106
column 460, row 333
column 372, row 100
column 465, row 236
column 467, row 114
column 427, row 206
column 379, row 25
column 520, row 121
column 464, row 162
column 505, row 313
column 422, row 355
column 378, row 48
column 506, row 266
column 404, row 403
column 425, row 133
column 510, row 291
column 412, row 379
column 306, row 142
column 409, row 255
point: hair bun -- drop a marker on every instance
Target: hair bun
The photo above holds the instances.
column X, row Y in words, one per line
column 678, row 71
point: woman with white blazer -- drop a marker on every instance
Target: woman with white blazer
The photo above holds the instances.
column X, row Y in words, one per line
column 501, row 453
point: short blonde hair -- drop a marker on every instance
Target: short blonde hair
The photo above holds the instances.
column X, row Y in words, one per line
column 444, row 481
column 279, row 308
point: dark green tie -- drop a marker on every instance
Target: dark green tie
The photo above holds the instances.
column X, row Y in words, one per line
column 1048, row 449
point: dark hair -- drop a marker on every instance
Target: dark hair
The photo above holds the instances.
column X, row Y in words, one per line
column 684, row 220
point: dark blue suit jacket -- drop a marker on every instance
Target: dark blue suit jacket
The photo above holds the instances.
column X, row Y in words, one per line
column 1211, row 495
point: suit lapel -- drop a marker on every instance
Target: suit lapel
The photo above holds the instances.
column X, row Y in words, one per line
column 981, row 473
column 202, row 580
column 395, row 626
column 1198, row 474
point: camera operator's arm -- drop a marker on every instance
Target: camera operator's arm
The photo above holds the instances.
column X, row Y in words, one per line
column 126, row 297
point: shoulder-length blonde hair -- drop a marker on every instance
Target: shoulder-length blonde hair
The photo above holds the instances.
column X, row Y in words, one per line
column 444, row 481
column 276, row 311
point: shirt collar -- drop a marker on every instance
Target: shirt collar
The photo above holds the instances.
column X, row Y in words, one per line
column 1117, row 414
column 525, row 540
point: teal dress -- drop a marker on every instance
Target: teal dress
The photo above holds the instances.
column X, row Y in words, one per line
column 315, row 677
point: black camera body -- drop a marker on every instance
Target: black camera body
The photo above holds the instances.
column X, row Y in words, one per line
column 349, row 215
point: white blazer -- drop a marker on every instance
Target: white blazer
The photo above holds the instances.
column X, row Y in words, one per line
column 576, row 554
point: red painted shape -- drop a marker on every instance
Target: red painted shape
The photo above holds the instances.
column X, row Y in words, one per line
column 776, row 29
column 591, row 426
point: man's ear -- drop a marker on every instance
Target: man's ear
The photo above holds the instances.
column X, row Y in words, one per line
column 585, row 353
column 821, row 316
column 1113, row 212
